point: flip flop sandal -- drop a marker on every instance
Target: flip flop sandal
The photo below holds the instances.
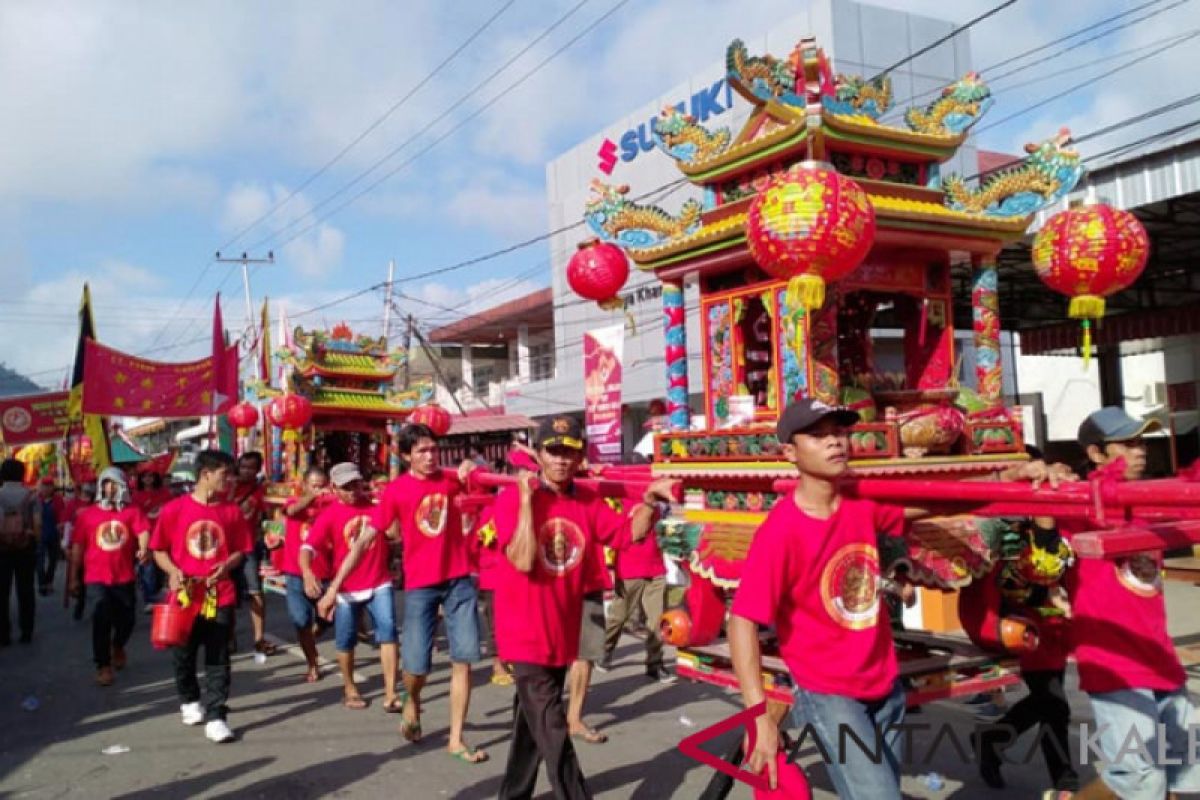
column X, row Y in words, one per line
column 395, row 705
column 265, row 647
column 591, row 736
column 354, row 703
column 469, row 756
column 502, row 680
column 411, row 731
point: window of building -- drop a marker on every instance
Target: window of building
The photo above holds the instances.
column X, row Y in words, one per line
column 541, row 361
column 482, row 376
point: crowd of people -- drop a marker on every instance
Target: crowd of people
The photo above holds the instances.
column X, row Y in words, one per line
column 528, row 580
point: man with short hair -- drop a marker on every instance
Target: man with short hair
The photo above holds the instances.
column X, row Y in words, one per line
column 420, row 506
column 248, row 495
column 18, row 550
column 306, row 577
column 349, row 527
column 546, row 526
column 199, row 541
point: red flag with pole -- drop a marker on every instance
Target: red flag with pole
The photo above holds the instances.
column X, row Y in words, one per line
column 224, row 361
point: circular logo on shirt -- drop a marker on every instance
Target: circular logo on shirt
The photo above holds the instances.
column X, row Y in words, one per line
column 560, row 545
column 356, row 527
column 1140, row 575
column 111, row 535
column 849, row 586
column 16, row 419
column 204, row 538
column 431, row 515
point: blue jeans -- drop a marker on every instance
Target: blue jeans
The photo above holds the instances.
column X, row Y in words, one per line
column 1127, row 726
column 866, row 771
column 302, row 609
column 458, row 599
column 48, row 552
column 382, row 609
column 149, row 577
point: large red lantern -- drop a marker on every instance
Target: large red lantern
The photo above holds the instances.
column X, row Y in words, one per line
column 810, row 225
column 243, row 416
column 290, row 412
column 432, row 416
column 597, row 272
column 1089, row 253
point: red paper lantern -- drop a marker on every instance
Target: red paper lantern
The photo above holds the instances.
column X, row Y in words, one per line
column 597, row 272
column 432, row 416
column 243, row 416
column 810, row 225
column 289, row 411
column 1089, row 253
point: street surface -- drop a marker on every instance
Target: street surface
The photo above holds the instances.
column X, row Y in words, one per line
column 296, row 741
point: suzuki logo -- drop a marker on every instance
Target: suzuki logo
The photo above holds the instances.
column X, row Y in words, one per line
column 608, row 156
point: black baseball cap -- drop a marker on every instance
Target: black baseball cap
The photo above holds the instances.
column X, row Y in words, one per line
column 1112, row 424
column 804, row 414
column 561, row 431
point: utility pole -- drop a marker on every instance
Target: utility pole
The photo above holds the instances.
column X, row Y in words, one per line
column 408, row 336
column 246, row 261
column 387, row 303
column 438, row 369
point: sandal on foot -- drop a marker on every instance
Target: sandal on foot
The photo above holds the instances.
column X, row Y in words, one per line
column 502, row 679
column 590, row 735
column 356, row 703
column 265, row 647
column 468, row 756
column 394, row 706
column 411, row 731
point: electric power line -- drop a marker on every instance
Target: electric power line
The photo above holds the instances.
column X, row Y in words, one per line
column 966, row 26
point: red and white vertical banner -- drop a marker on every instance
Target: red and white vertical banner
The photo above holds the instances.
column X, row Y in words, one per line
column 602, row 356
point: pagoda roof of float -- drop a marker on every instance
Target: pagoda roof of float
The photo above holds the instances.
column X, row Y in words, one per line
column 340, row 354
column 802, row 111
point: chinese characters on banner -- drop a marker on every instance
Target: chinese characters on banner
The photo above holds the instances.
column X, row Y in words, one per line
column 116, row 384
column 33, row 418
column 602, row 354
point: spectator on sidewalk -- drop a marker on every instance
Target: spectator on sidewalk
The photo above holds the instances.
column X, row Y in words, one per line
column 18, row 550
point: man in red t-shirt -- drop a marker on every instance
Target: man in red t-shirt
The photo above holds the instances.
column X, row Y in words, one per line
column 106, row 540
column 641, row 583
column 199, row 541
column 306, row 577
column 546, row 528
column 420, row 506
column 151, row 497
column 348, row 528
column 1126, row 659
column 248, row 495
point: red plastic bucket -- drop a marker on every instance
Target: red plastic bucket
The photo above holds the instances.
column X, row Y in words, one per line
column 170, row 625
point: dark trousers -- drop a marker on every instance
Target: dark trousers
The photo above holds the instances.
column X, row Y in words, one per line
column 49, row 552
column 112, row 619
column 1046, row 704
column 150, row 579
column 540, row 733
column 20, row 567
column 213, row 636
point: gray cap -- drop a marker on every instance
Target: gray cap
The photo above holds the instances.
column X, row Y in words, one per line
column 344, row 474
column 1112, row 424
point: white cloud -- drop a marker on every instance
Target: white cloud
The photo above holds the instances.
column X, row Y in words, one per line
column 313, row 253
column 507, row 207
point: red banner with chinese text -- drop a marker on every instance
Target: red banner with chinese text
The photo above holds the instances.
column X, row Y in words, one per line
column 602, row 356
column 33, row 418
column 117, row 384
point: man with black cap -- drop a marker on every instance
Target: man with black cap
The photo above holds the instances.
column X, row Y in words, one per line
column 546, row 527
column 1125, row 656
column 814, row 572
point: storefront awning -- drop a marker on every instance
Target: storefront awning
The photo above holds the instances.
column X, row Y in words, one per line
column 1064, row 338
column 489, row 423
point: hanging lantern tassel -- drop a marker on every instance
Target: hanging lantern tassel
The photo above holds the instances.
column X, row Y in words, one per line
column 806, row 291
column 1089, row 309
column 291, row 435
column 615, row 303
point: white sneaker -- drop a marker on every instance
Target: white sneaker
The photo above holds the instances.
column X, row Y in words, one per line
column 218, row 731
column 191, row 713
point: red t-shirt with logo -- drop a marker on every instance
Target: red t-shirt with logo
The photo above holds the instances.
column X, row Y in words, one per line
column 198, row 537
column 817, row 582
column 336, row 528
column 250, row 498
column 296, row 532
column 108, row 541
column 538, row 614
column 641, row 560
column 435, row 547
column 1118, row 628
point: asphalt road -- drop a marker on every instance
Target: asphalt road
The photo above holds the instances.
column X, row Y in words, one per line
column 296, row 741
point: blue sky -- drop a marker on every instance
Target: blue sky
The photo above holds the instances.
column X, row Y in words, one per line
column 141, row 137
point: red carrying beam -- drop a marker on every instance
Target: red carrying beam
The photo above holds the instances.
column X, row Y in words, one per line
column 1127, row 541
column 622, row 490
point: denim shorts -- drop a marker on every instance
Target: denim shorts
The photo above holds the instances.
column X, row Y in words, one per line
column 458, row 599
column 381, row 607
column 302, row 610
column 1127, row 725
column 248, row 576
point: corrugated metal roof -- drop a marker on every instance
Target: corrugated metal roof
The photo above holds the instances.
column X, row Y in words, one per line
column 490, row 423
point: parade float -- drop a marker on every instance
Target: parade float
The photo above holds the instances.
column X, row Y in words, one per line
column 820, row 223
